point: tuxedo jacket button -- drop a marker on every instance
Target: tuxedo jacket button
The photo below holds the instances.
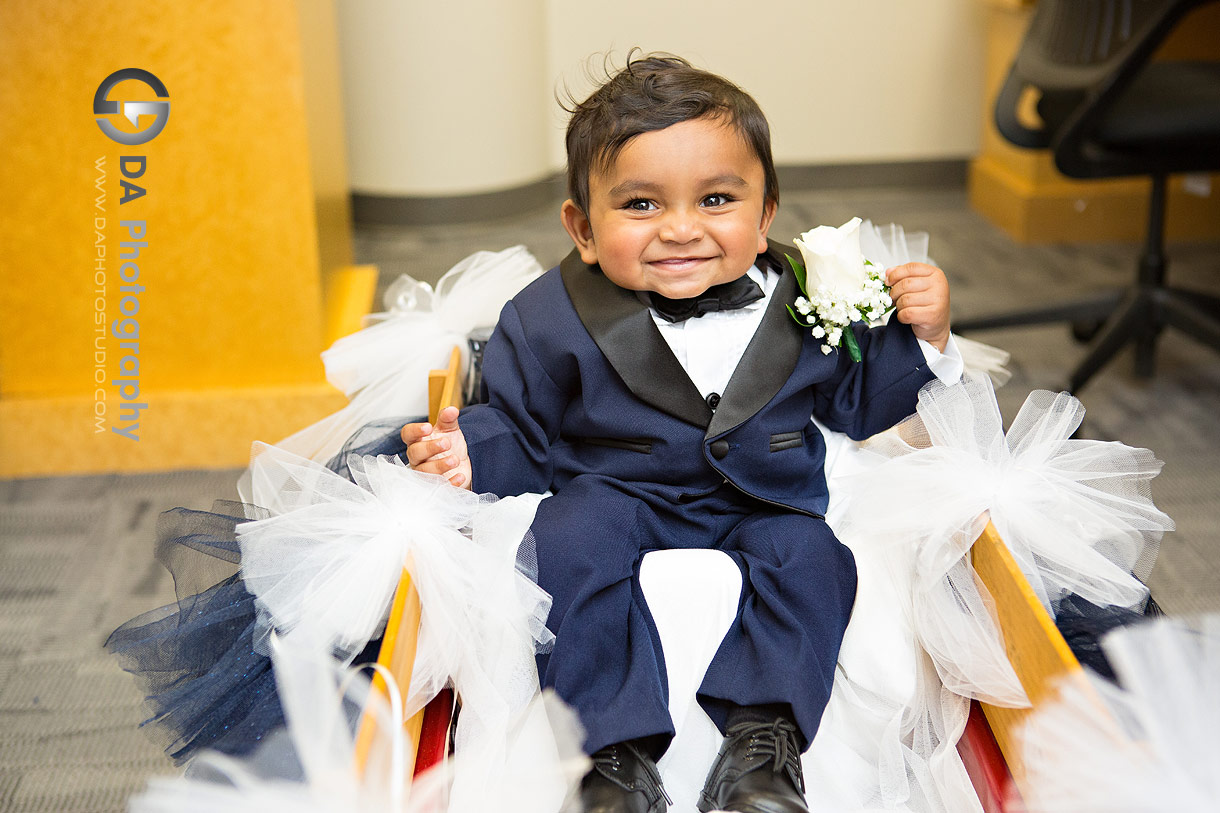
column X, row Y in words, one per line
column 713, row 401
column 720, row 448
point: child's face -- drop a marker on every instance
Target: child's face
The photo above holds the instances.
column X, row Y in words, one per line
column 680, row 210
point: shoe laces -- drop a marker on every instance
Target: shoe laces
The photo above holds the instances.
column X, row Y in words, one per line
column 608, row 758
column 775, row 741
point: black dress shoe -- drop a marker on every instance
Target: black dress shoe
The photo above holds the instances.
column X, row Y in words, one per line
column 623, row 780
column 758, row 770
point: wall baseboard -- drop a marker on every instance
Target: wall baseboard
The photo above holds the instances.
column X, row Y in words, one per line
column 410, row 210
column 873, row 175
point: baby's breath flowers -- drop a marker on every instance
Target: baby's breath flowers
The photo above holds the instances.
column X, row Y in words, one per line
column 838, row 286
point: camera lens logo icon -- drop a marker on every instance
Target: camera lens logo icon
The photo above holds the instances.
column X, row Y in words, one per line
column 104, row 106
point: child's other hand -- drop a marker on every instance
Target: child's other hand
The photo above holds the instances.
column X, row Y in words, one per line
column 439, row 449
column 921, row 300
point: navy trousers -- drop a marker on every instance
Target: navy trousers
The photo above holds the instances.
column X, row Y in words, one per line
column 799, row 583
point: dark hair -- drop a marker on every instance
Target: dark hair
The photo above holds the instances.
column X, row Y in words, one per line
column 651, row 93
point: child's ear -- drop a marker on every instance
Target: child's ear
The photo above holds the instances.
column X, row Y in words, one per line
column 577, row 224
column 768, row 215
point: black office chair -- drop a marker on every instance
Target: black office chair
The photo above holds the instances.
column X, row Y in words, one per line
column 1108, row 111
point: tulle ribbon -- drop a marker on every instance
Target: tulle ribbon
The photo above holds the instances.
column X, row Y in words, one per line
column 1151, row 746
column 1076, row 514
column 324, row 565
column 311, row 766
column 892, row 245
column 382, row 369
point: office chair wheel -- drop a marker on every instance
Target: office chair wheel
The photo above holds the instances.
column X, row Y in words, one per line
column 1083, row 330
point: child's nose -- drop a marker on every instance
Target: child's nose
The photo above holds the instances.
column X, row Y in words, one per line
column 681, row 226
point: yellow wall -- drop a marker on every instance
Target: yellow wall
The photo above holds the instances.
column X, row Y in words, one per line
column 231, row 310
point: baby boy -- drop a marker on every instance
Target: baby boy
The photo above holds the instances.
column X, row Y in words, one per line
column 656, row 384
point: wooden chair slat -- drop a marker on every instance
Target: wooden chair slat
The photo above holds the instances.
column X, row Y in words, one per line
column 1038, row 653
column 397, row 653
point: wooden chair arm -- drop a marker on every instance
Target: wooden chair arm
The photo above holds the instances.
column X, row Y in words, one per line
column 398, row 647
column 1038, row 652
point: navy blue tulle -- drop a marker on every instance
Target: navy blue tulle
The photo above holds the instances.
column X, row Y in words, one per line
column 1084, row 625
column 378, row 438
column 197, row 661
column 200, row 661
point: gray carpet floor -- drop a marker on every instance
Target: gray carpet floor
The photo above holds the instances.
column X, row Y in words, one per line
column 76, row 552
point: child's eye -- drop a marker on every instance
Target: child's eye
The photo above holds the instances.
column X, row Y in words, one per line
column 717, row 199
column 640, row 205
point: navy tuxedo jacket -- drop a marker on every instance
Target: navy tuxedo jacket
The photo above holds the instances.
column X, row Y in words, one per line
column 579, row 382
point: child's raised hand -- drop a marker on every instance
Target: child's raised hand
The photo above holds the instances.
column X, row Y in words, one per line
column 921, row 300
column 440, row 449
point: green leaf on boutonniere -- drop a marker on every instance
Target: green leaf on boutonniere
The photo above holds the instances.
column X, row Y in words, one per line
column 849, row 339
column 796, row 317
column 799, row 270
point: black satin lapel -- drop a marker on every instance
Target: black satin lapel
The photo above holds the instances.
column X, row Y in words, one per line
column 623, row 330
column 771, row 355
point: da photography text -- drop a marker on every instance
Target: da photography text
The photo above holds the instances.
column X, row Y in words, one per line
column 116, row 307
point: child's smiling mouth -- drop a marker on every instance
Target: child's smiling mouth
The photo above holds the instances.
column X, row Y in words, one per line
column 678, row 263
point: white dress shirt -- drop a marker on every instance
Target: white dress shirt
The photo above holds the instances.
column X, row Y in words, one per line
column 709, row 347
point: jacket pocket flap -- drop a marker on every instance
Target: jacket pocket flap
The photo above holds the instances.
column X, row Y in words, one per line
column 787, row 440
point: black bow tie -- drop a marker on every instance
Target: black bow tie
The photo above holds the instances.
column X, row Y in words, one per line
column 724, row 297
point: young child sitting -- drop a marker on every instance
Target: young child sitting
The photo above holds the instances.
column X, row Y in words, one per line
column 656, row 384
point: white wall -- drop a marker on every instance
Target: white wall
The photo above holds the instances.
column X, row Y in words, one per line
column 456, row 98
column 445, row 98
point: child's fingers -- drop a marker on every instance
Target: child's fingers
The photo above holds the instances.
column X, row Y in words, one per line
column 909, row 287
column 900, row 272
column 422, row 451
column 911, row 299
column 413, row 432
column 915, row 315
column 440, row 465
column 448, row 467
column 447, row 420
column 914, row 277
column 921, row 276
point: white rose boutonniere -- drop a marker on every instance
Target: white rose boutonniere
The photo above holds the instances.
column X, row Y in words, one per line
column 838, row 286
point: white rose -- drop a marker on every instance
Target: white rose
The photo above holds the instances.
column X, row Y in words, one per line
column 833, row 260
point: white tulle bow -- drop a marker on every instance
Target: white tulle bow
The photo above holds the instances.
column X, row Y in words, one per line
column 324, row 565
column 1076, row 514
column 311, row 766
column 1152, row 747
column 892, row 245
column 383, row 369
